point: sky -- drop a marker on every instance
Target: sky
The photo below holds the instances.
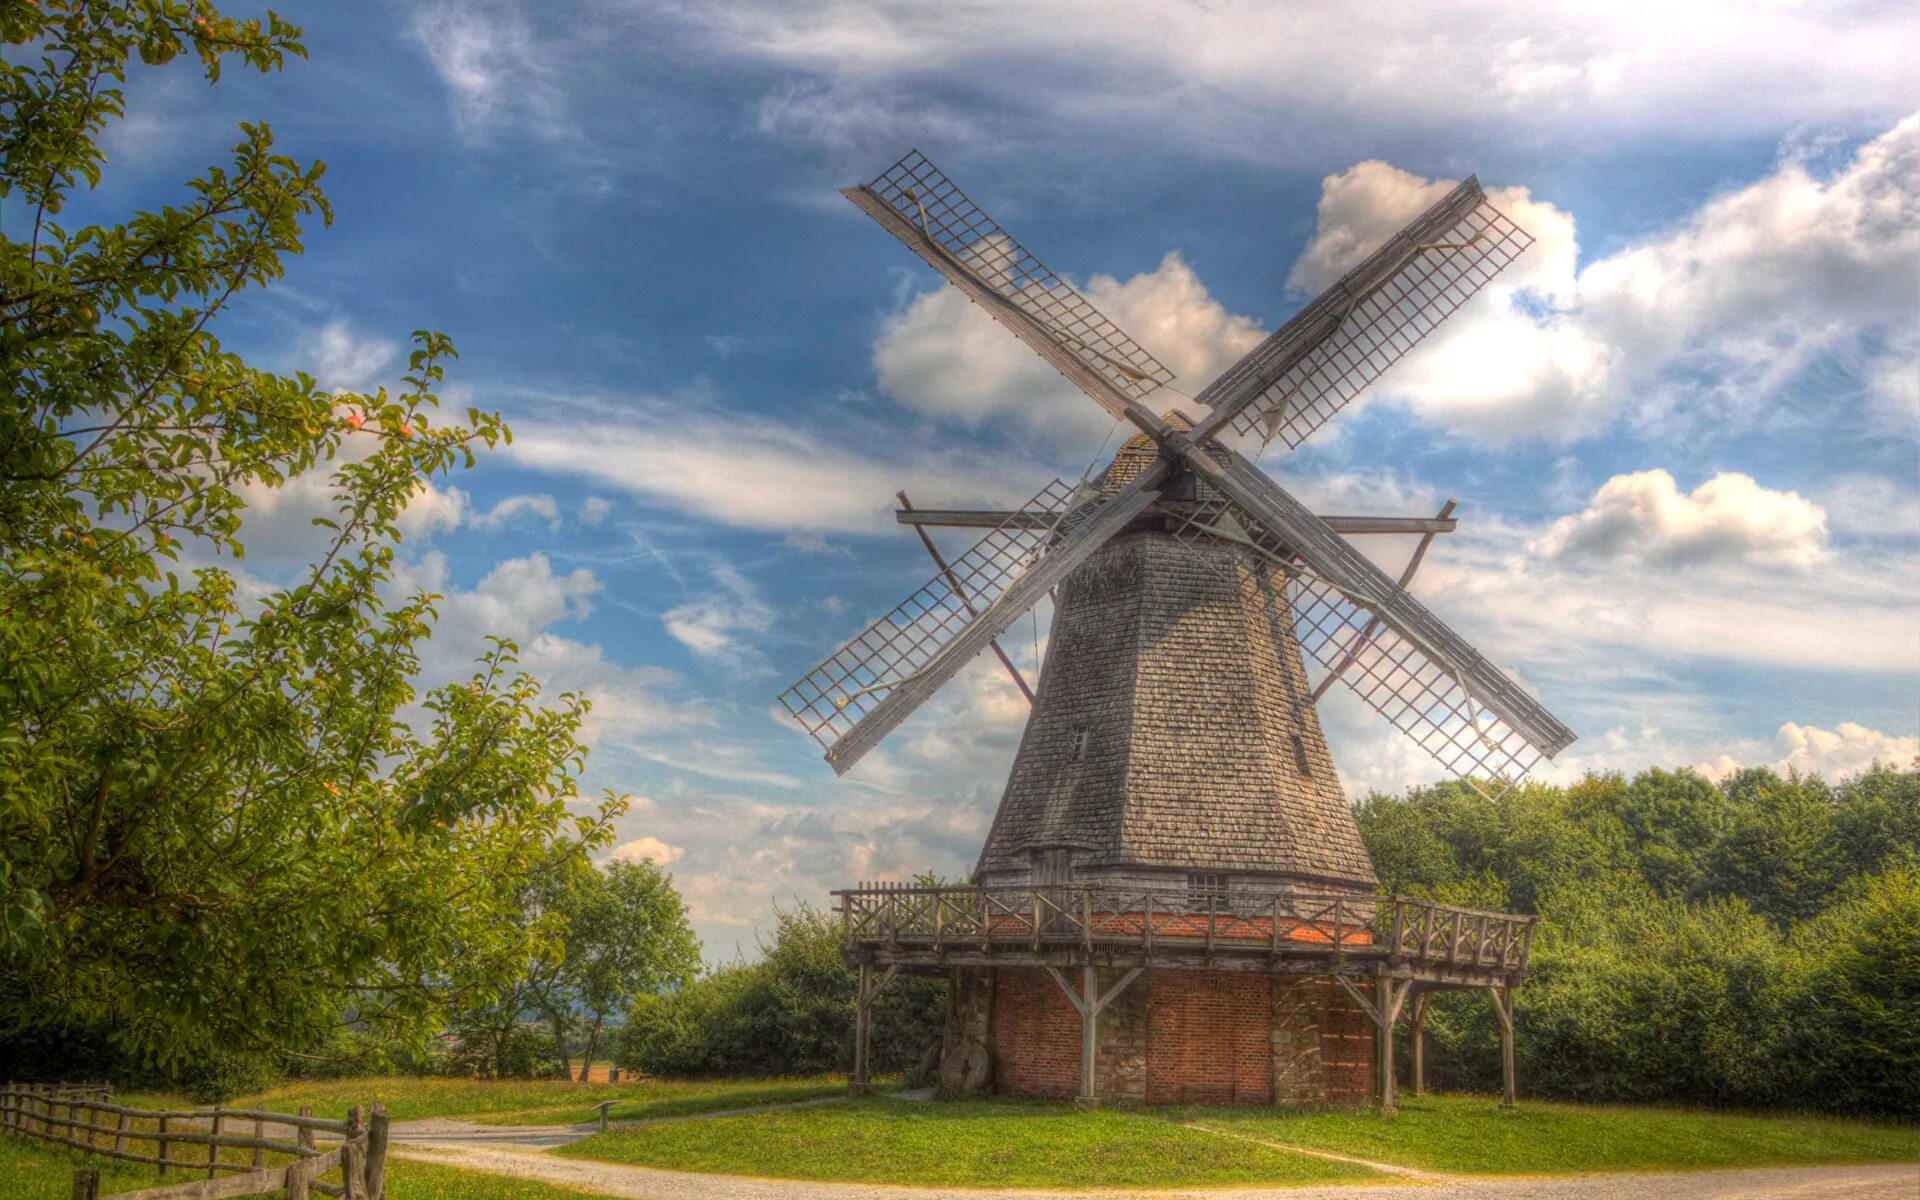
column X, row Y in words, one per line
column 1681, row 429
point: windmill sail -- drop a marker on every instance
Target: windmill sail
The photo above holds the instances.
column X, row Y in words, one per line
column 1313, row 366
column 1404, row 659
column 873, row 682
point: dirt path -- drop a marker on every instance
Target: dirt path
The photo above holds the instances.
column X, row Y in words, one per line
column 646, row 1183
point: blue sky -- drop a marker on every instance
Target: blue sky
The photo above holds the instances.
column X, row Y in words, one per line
column 1681, row 429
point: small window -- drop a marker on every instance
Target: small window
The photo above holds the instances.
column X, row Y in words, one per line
column 1208, row 887
column 1082, row 738
column 1300, row 756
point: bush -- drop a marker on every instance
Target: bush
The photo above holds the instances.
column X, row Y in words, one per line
column 789, row 1014
column 218, row 1077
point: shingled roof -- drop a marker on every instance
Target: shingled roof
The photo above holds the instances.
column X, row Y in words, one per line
column 1172, row 722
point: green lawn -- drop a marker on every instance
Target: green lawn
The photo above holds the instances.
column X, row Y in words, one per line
column 975, row 1143
column 1470, row 1134
column 514, row 1102
column 35, row 1171
column 1013, row 1143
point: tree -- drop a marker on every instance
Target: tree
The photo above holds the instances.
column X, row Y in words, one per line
column 227, row 818
column 628, row 936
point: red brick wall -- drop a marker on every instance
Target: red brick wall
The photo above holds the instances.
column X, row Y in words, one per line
column 1036, row 1035
column 1208, row 1035
column 1207, row 1038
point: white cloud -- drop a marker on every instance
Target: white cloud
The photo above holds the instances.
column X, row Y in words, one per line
column 649, row 847
column 757, row 473
column 494, row 65
column 1746, row 292
column 341, row 359
column 594, row 510
column 1645, row 518
column 1873, row 505
column 943, row 356
column 1259, row 79
column 511, row 509
column 723, row 627
column 1830, row 753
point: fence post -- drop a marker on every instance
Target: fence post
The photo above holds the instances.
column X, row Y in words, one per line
column 213, row 1147
column 304, row 1136
column 120, row 1134
column 161, row 1137
column 86, row 1184
column 377, row 1153
column 299, row 1175
column 353, row 1156
column 259, row 1155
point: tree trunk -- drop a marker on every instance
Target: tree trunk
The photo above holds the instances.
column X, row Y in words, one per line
column 593, row 1043
column 560, row 1042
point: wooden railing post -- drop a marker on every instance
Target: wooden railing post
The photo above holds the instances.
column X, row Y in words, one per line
column 160, row 1136
column 377, row 1152
column 304, row 1136
column 353, row 1155
column 86, row 1184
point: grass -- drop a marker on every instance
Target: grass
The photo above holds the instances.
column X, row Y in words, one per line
column 36, row 1171
column 971, row 1143
column 1471, row 1135
column 517, row 1102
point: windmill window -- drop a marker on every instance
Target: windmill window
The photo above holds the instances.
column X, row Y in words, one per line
column 1300, row 761
column 1207, row 888
column 1082, row 738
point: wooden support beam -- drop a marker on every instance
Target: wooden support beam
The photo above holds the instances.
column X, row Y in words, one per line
column 1502, row 998
column 953, row 581
column 964, row 518
column 1089, row 1001
column 867, row 990
column 1419, row 1065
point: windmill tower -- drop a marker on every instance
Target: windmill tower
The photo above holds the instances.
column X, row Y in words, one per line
column 1173, row 832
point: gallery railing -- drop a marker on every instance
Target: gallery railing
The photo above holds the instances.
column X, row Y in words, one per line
column 1094, row 916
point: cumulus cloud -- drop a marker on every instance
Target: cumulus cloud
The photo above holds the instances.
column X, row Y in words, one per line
column 648, row 847
column 1719, row 312
column 1810, row 750
column 340, row 358
column 1645, row 517
column 943, row 356
column 514, row 508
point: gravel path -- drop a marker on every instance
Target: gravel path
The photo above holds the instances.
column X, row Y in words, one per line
column 452, row 1133
column 645, row 1183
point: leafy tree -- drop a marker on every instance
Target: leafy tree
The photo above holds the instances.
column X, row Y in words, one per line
column 1779, row 850
column 791, row 1013
column 227, row 818
column 628, row 937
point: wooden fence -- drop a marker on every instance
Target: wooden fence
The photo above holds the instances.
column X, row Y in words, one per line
column 83, row 1118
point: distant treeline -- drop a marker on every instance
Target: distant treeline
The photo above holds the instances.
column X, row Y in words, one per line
column 1752, row 943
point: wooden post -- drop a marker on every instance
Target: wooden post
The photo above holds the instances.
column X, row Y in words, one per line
column 859, row 1084
column 1502, row 998
column 86, row 1184
column 213, row 1147
column 302, row 1135
column 1419, row 1064
column 259, row 1155
column 1383, row 1043
column 120, row 1134
column 1089, row 1037
column 160, row 1135
column 299, row 1176
column 377, row 1151
column 353, row 1156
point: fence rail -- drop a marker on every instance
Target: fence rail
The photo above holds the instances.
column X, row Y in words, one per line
column 82, row 1117
column 1145, row 919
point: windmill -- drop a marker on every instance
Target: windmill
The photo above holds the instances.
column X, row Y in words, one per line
column 1174, row 747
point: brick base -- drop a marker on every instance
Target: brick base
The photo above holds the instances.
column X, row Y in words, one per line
column 1186, row 1037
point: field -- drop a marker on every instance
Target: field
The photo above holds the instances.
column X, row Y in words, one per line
column 533, row 1102
column 1012, row 1143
